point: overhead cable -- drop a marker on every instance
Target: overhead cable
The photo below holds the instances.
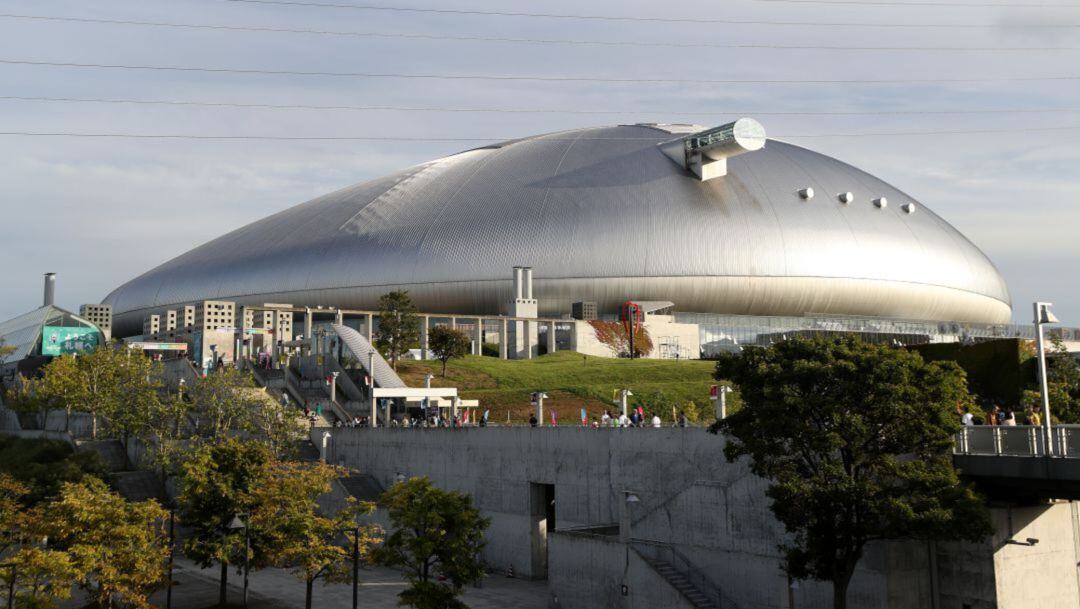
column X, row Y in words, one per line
column 583, row 17
column 479, row 38
column 535, row 78
column 367, row 138
column 495, row 110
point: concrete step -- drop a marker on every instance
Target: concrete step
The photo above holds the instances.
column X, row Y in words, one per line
column 138, row 485
column 682, row 584
column 111, row 452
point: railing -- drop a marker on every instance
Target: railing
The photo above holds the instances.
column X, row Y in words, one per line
column 1018, row 441
column 658, row 550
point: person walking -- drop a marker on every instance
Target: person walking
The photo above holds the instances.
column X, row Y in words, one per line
column 1007, row 418
column 605, row 419
column 624, row 421
column 656, row 422
column 683, row 421
column 967, row 419
column 995, row 415
column 532, row 420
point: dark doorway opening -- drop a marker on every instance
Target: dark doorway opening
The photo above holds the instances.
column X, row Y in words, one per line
column 542, row 520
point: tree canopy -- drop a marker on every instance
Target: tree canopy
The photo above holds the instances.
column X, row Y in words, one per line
column 436, row 540
column 399, row 326
column 448, row 343
column 855, row 440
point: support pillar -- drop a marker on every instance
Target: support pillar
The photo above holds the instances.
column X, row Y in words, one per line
column 274, row 340
column 307, row 330
column 371, row 386
column 424, row 324
column 369, row 324
column 453, row 323
column 503, row 340
column 339, row 318
column 528, row 339
column 478, row 339
column 551, row 343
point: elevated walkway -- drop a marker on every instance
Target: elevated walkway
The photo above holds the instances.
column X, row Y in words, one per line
column 1014, row 463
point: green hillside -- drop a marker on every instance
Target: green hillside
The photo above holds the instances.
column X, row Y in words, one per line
column 571, row 381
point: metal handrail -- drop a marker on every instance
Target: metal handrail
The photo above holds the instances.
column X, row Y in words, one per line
column 681, row 563
column 1018, row 441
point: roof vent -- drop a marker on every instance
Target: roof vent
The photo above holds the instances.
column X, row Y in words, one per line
column 706, row 152
column 908, row 207
column 806, row 193
column 881, row 202
column 845, row 197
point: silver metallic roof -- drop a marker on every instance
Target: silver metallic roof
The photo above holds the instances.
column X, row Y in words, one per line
column 601, row 215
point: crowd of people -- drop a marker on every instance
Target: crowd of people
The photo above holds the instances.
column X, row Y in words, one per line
column 637, row 418
column 1003, row 416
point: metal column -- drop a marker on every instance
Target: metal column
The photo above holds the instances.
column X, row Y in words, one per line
column 551, row 345
column 424, row 323
column 369, row 325
column 503, row 340
column 478, row 349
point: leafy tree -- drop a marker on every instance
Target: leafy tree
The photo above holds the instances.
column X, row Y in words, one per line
column 117, row 384
column 447, row 343
column 118, row 547
column 399, row 325
column 856, row 442
column 692, row 412
column 43, row 466
column 436, row 534
column 654, row 402
column 298, row 535
column 1063, row 381
column 615, row 336
column 12, row 510
column 223, row 401
column 218, row 483
column 43, row 578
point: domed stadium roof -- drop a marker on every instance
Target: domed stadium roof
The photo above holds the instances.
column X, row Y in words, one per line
column 601, row 214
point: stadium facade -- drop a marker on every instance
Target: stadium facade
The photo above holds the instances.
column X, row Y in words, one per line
column 718, row 222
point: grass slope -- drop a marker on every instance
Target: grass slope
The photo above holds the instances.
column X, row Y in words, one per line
column 571, row 381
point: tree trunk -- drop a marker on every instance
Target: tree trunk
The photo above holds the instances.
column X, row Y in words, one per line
column 840, row 586
column 444, row 368
column 307, row 594
column 222, row 590
column 93, row 426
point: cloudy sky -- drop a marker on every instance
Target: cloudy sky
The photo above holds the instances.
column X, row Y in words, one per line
column 991, row 145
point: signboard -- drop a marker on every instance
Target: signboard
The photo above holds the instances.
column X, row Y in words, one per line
column 159, row 346
column 712, row 392
column 59, row 340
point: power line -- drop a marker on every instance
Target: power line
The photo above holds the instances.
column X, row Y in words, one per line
column 915, row 4
column 483, row 38
column 366, row 138
column 482, row 110
column 650, row 19
column 534, row 78
column 504, row 39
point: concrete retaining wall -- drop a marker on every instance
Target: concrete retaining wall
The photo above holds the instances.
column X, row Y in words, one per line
column 713, row 512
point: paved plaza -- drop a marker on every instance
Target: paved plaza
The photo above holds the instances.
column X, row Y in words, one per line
column 277, row 589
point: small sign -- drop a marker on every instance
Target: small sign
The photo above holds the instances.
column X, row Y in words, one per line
column 713, row 392
column 159, row 346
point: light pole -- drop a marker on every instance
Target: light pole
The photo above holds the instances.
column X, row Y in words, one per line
column 1044, row 316
column 721, row 400
column 172, row 542
column 234, row 525
column 11, row 584
column 355, row 530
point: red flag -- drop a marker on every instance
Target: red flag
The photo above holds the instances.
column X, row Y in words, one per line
column 554, row 421
column 465, row 417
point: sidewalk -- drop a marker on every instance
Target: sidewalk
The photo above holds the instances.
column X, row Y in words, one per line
column 197, row 588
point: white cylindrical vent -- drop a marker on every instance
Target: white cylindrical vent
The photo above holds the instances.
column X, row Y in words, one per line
column 519, row 291
column 881, row 202
column 845, row 197
column 50, row 289
column 528, row 282
column 908, row 207
column 806, row 193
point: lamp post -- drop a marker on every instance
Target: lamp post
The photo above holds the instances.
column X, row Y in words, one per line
column 355, row 530
column 11, row 583
column 235, row 524
column 1044, row 316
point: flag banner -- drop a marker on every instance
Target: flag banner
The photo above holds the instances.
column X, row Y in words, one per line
column 554, row 419
column 486, row 413
column 584, row 418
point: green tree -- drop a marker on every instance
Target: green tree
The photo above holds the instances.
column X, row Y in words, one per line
column 117, row 547
column 399, row 325
column 436, row 535
column 217, row 484
column 1063, row 381
column 692, row 412
column 447, row 343
column 855, row 440
column 223, row 401
column 298, row 534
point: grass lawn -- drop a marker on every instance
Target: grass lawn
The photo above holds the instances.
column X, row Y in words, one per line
column 571, row 381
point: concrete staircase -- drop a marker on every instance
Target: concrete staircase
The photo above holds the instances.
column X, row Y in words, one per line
column 681, row 582
column 112, row 452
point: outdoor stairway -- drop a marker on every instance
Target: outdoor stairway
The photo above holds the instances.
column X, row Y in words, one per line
column 112, row 452
column 680, row 582
column 138, row 485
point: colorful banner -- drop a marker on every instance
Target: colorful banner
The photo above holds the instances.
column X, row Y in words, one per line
column 60, row 340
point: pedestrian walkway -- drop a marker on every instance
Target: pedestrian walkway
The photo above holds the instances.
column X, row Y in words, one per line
column 278, row 589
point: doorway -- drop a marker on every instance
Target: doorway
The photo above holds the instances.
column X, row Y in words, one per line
column 542, row 520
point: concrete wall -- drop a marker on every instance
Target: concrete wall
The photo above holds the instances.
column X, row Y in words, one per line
column 714, row 513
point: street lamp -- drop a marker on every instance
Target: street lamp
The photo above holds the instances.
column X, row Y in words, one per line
column 1044, row 316
column 11, row 584
column 235, row 524
column 355, row 530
